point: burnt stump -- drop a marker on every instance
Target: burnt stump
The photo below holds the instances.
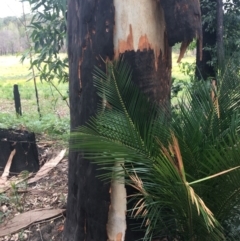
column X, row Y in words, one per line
column 26, row 156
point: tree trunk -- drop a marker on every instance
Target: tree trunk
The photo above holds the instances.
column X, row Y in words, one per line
column 90, row 43
column 147, row 50
column 100, row 31
column 220, row 47
column 204, row 65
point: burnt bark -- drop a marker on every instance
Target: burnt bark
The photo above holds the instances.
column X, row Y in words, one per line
column 204, row 68
column 183, row 20
column 156, row 84
column 89, row 45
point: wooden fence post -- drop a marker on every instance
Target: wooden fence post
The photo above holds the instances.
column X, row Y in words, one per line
column 17, row 100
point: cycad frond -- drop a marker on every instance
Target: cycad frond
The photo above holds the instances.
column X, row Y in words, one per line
column 171, row 163
column 128, row 104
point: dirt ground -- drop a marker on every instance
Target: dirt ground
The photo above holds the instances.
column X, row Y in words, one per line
column 49, row 192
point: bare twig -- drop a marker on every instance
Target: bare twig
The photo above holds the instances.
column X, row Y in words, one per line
column 31, row 60
column 55, row 87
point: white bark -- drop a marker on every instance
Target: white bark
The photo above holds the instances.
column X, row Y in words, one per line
column 139, row 25
column 116, row 225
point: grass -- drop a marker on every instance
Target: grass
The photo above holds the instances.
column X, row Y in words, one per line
column 54, row 110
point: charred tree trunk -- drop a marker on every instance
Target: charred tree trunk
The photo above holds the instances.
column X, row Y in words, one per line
column 90, row 43
column 100, row 31
column 204, row 68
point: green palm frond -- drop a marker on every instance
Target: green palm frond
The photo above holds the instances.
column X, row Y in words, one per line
column 128, row 117
column 127, row 106
column 185, row 169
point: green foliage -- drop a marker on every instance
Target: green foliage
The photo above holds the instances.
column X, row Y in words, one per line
column 177, row 70
column 184, row 165
column 209, row 19
column 188, row 69
column 48, row 35
column 232, row 30
column 178, row 85
column 49, row 124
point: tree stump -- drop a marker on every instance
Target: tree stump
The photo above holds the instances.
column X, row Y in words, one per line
column 26, row 157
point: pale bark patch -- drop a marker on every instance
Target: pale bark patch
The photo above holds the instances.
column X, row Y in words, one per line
column 116, row 225
column 124, row 45
column 139, row 25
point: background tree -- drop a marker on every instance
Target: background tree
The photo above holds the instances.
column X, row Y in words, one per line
column 232, row 30
column 12, row 35
column 218, row 45
column 205, row 60
column 98, row 32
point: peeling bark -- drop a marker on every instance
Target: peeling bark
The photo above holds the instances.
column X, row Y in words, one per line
column 139, row 25
column 140, row 39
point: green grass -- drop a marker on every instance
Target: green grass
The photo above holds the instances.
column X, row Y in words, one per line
column 54, row 110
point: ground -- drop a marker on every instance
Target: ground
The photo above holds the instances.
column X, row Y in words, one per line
column 51, row 191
